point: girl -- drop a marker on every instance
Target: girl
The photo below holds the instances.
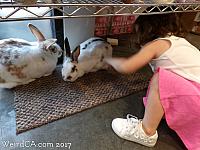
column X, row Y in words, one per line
column 174, row 91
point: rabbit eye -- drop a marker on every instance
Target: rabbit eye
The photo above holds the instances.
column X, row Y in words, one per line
column 74, row 69
column 53, row 49
column 69, row 77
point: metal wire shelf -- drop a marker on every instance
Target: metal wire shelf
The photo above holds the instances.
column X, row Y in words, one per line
column 88, row 8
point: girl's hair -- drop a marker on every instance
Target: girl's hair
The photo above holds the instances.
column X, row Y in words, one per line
column 151, row 27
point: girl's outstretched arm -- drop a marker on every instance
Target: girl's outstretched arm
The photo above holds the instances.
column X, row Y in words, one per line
column 151, row 50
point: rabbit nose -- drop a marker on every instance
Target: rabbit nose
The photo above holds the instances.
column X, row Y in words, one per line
column 69, row 77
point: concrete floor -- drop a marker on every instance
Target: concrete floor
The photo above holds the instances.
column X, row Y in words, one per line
column 88, row 130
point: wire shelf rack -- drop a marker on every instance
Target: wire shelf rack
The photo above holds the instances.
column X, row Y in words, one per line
column 88, row 8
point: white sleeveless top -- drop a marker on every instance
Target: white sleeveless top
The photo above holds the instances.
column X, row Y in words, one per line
column 181, row 58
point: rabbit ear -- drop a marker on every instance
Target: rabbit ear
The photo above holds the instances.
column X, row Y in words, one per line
column 75, row 54
column 36, row 32
column 67, row 47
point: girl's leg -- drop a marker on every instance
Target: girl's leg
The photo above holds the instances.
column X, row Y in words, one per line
column 142, row 132
column 154, row 110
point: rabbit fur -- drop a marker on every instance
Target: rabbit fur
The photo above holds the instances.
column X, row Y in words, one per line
column 87, row 57
column 22, row 62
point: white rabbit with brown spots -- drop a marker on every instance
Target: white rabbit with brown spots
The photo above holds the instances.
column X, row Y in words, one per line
column 87, row 57
column 22, row 62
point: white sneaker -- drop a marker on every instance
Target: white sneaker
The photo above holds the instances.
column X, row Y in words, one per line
column 131, row 129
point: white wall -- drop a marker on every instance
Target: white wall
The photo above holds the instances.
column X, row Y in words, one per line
column 78, row 29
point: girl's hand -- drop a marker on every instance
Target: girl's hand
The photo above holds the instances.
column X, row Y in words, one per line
column 116, row 63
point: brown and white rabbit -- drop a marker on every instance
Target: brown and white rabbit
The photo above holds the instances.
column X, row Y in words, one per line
column 22, row 62
column 87, row 57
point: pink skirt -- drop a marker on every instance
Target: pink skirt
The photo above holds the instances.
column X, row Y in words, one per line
column 180, row 99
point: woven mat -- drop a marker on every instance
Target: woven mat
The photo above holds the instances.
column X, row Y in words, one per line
column 50, row 98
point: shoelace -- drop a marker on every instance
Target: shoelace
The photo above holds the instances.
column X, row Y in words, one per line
column 132, row 119
column 132, row 123
column 132, row 129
